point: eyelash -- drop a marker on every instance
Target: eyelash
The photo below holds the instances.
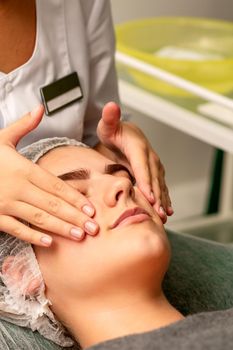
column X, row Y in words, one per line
column 131, row 177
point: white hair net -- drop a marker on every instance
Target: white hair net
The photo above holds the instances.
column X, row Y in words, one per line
column 22, row 289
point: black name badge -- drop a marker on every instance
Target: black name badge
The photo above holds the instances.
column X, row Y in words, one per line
column 61, row 93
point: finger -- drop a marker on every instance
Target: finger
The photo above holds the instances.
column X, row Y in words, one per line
column 154, row 164
column 13, row 133
column 169, row 208
column 163, row 187
column 166, row 201
column 15, row 228
column 59, row 188
column 156, row 186
column 47, row 222
column 60, row 209
column 162, row 209
column 109, row 123
column 141, row 170
column 170, row 211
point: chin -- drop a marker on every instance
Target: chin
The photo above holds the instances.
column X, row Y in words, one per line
column 151, row 244
column 146, row 249
column 149, row 231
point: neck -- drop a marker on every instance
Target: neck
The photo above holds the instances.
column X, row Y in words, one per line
column 8, row 5
column 14, row 8
column 95, row 322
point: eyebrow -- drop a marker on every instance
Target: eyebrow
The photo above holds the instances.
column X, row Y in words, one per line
column 84, row 174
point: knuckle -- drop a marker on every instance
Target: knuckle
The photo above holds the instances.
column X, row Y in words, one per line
column 39, row 217
column 54, row 206
column 59, row 187
column 17, row 231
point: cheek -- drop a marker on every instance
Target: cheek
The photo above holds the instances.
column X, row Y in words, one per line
column 76, row 267
column 95, row 264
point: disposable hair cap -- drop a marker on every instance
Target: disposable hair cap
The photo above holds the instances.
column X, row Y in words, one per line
column 22, row 289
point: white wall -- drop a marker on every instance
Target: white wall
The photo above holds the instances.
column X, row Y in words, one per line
column 124, row 10
column 187, row 161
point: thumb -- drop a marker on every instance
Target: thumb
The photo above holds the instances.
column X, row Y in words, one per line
column 14, row 132
column 110, row 121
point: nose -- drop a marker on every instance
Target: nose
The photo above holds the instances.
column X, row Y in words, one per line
column 119, row 189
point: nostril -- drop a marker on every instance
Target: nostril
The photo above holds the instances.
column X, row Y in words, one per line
column 118, row 195
column 131, row 192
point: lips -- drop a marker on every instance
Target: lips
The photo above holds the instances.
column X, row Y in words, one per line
column 131, row 213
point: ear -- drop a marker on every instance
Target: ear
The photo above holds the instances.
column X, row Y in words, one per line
column 7, row 264
column 13, row 274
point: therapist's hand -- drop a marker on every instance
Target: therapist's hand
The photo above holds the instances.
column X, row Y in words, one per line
column 29, row 193
column 128, row 142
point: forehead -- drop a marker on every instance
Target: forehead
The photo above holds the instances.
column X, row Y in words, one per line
column 68, row 158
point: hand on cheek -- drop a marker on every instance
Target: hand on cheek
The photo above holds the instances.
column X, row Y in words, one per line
column 143, row 160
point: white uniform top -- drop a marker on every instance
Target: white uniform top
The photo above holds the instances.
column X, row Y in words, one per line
column 74, row 35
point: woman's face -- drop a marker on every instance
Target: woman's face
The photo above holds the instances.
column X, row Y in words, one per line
column 133, row 254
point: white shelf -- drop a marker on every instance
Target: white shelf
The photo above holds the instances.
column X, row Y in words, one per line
column 193, row 124
column 171, row 114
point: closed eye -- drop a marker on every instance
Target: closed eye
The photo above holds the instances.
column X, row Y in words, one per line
column 84, row 174
column 115, row 168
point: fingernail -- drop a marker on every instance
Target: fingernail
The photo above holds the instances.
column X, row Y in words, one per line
column 170, row 210
column 46, row 240
column 35, row 111
column 90, row 226
column 88, row 210
column 161, row 210
column 76, row 232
